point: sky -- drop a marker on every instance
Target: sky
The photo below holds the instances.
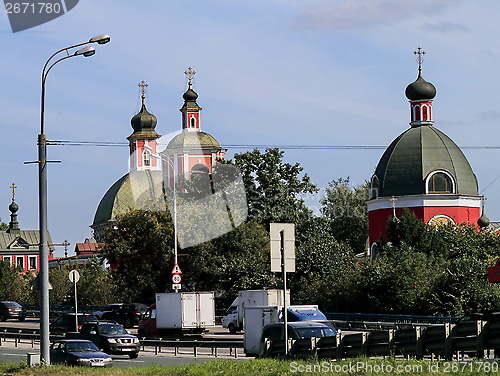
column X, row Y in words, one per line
column 273, row 72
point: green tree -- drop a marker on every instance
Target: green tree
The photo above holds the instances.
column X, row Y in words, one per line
column 61, row 291
column 95, row 285
column 273, row 187
column 139, row 245
column 346, row 208
column 13, row 285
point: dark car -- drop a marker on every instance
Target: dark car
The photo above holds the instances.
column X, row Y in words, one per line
column 78, row 352
column 66, row 322
column 12, row 310
column 126, row 314
column 296, row 330
column 111, row 337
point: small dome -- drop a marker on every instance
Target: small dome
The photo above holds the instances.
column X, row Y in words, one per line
column 193, row 140
column 144, row 121
column 484, row 221
column 190, row 95
column 13, row 207
column 420, row 89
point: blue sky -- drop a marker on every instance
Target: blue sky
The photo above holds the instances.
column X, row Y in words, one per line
column 277, row 72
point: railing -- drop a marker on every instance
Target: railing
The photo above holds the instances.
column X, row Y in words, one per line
column 32, row 336
column 445, row 340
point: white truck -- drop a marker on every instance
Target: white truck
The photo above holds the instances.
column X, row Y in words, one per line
column 234, row 317
column 258, row 317
column 181, row 313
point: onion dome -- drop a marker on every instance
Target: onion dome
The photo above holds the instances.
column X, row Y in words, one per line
column 420, row 89
column 144, row 123
column 484, row 221
column 13, row 207
column 190, row 95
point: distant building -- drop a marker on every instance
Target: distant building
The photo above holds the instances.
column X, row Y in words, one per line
column 84, row 253
column 423, row 170
column 21, row 247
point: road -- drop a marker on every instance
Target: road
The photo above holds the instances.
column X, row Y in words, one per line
column 10, row 353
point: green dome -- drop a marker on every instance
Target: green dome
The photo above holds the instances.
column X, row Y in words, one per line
column 193, row 141
column 142, row 189
column 144, row 124
column 414, row 155
column 420, row 89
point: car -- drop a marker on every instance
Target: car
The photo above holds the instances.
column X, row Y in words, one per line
column 78, row 352
column 66, row 322
column 296, row 330
column 12, row 310
column 126, row 314
column 110, row 337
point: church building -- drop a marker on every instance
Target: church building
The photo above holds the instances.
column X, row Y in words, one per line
column 151, row 169
column 422, row 170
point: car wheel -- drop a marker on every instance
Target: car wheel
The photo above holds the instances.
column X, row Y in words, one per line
column 133, row 356
column 2, row 317
column 128, row 323
column 232, row 328
column 22, row 318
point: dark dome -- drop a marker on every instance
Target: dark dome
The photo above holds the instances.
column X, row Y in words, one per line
column 414, row 155
column 143, row 120
column 13, row 207
column 420, row 89
column 190, row 95
column 484, row 221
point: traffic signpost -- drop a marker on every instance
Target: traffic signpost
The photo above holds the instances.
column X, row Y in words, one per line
column 176, row 278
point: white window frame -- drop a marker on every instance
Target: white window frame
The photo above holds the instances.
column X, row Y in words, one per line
column 7, row 258
column 453, row 186
column 29, row 263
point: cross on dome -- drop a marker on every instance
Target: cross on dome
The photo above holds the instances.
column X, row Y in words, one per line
column 420, row 57
column 143, row 85
column 13, row 186
column 190, row 75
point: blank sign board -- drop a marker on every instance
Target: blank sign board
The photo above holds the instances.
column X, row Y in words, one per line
column 288, row 231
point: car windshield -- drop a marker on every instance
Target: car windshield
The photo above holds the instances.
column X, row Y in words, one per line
column 315, row 332
column 112, row 329
column 81, row 347
column 12, row 304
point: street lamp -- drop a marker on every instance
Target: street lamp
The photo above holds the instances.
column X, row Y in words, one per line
column 173, row 166
column 42, row 193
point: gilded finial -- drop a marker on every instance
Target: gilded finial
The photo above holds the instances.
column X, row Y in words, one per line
column 420, row 59
column 13, row 186
column 143, row 85
column 190, row 75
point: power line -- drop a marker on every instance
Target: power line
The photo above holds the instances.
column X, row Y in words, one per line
column 263, row 146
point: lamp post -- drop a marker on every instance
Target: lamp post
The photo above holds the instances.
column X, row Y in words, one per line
column 174, row 169
column 42, row 194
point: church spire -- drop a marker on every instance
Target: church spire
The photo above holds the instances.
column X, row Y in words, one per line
column 13, row 207
column 190, row 110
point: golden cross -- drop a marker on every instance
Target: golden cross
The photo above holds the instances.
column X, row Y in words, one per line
column 13, row 186
column 190, row 74
column 143, row 87
column 420, row 58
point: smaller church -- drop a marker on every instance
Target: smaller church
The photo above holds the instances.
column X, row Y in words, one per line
column 20, row 248
column 151, row 170
column 423, row 170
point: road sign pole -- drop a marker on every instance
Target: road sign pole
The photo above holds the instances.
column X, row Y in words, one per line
column 76, row 309
column 283, row 268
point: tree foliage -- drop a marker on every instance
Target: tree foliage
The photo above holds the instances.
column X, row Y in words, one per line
column 274, row 187
column 139, row 246
column 346, row 208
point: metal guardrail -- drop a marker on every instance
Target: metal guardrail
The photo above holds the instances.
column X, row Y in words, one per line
column 442, row 340
column 389, row 318
column 33, row 336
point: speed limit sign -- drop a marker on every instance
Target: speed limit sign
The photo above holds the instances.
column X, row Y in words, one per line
column 176, row 278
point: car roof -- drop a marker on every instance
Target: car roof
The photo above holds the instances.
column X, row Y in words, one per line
column 72, row 340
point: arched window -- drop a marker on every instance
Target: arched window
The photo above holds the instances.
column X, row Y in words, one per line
column 374, row 187
column 193, row 122
column 440, row 182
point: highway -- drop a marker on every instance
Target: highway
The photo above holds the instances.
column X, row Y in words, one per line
column 10, row 353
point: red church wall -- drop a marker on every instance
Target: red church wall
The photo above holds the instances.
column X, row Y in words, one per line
column 378, row 218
